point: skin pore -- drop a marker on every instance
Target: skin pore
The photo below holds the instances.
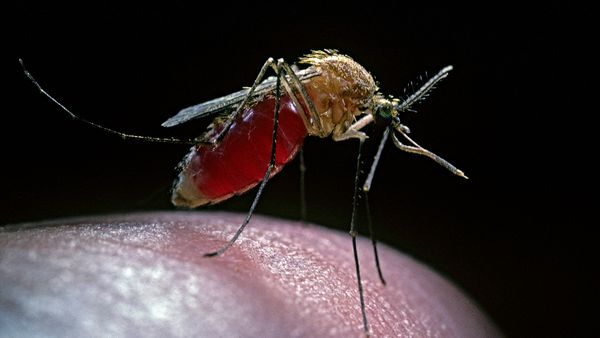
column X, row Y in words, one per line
column 143, row 274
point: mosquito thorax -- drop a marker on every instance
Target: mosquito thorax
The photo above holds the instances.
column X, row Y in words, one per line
column 343, row 87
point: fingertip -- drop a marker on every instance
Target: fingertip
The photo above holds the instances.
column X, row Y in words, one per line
column 144, row 274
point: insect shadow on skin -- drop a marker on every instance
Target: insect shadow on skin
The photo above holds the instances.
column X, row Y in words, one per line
column 334, row 96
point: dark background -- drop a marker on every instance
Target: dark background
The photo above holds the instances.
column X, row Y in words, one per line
column 513, row 236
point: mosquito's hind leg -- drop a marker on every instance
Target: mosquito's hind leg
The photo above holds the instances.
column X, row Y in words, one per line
column 124, row 136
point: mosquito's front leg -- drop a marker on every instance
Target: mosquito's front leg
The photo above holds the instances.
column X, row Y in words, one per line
column 365, row 189
column 354, row 130
column 421, row 151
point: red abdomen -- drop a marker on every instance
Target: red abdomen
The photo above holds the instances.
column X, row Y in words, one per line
column 210, row 174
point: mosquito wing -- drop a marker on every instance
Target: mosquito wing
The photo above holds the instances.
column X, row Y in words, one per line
column 231, row 101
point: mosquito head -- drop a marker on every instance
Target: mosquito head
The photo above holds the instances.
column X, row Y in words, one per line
column 389, row 110
column 384, row 108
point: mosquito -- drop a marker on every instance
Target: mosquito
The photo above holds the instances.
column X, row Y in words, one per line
column 260, row 129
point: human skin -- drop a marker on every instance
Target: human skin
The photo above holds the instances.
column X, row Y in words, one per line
column 144, row 274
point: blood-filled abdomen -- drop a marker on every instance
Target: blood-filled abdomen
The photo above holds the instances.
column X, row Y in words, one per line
column 210, row 174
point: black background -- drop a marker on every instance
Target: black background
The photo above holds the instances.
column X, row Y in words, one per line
column 513, row 236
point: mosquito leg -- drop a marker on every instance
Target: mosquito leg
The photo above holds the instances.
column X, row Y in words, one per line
column 269, row 63
column 281, row 67
column 290, row 91
column 366, row 188
column 367, row 185
column 267, row 173
column 284, row 67
column 302, row 187
column 354, row 130
column 354, row 234
column 373, row 239
column 421, row 151
column 103, row 128
column 314, row 116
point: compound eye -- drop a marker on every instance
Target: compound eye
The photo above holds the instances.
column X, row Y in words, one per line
column 385, row 111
